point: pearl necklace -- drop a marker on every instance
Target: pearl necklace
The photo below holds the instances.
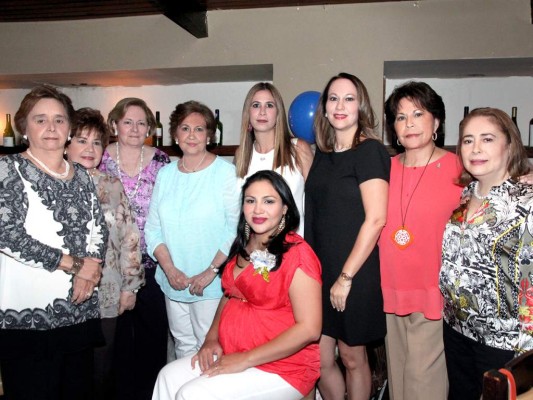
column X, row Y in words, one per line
column 132, row 194
column 195, row 168
column 48, row 170
column 476, row 193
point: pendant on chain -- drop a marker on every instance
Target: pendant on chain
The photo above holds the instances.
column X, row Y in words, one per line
column 402, row 238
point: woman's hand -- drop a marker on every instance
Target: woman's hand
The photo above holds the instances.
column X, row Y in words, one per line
column 199, row 282
column 91, row 270
column 208, row 354
column 82, row 290
column 127, row 301
column 338, row 294
column 228, row 364
column 177, row 279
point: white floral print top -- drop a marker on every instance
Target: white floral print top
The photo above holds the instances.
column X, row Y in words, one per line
column 487, row 268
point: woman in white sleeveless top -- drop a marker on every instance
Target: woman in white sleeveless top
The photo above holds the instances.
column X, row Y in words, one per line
column 267, row 144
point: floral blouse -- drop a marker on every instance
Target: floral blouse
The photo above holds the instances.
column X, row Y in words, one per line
column 139, row 199
column 122, row 268
column 487, row 268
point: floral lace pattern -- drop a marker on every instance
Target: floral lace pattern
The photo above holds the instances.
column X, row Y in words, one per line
column 72, row 204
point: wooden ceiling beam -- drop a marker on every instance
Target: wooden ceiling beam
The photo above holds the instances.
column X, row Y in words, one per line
column 191, row 15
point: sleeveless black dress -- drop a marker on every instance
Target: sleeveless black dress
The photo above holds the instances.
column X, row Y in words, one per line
column 334, row 214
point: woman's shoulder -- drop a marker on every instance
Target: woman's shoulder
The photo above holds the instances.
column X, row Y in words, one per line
column 160, row 156
column 224, row 165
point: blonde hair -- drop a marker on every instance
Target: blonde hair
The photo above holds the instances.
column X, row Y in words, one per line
column 284, row 152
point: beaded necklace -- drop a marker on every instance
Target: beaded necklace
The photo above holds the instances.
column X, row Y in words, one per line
column 48, row 170
column 132, row 194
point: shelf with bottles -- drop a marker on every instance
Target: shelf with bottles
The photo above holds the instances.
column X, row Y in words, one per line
column 226, row 151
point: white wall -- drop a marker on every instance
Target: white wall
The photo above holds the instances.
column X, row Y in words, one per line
column 305, row 45
column 228, row 97
column 503, row 93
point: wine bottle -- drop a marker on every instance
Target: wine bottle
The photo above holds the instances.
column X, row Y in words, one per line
column 219, row 133
column 158, row 138
column 530, row 132
column 513, row 115
column 9, row 134
column 466, row 111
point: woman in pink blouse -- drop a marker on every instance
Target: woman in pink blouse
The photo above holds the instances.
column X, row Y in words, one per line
column 142, row 332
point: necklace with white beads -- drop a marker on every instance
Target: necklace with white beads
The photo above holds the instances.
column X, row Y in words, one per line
column 48, row 170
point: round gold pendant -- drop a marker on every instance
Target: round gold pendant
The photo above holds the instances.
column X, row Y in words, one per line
column 402, row 238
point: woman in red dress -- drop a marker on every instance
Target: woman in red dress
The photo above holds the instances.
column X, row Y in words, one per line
column 263, row 341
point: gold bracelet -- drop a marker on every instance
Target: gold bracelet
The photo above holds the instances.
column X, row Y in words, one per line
column 345, row 277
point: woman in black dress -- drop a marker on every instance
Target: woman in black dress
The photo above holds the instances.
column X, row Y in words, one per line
column 345, row 210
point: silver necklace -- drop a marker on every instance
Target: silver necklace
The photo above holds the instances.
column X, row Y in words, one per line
column 132, row 194
column 476, row 193
column 48, row 170
column 195, row 168
column 340, row 149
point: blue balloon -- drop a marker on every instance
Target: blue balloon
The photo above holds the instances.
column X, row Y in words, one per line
column 301, row 115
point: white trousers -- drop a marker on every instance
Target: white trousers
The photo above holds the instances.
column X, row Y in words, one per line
column 189, row 323
column 178, row 381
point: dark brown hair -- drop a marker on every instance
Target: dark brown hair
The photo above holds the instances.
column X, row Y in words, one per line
column 33, row 97
column 91, row 120
column 423, row 96
column 324, row 132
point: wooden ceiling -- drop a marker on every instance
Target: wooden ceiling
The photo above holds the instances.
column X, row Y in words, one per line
column 191, row 15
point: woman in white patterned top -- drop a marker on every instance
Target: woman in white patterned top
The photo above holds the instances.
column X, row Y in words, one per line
column 487, row 275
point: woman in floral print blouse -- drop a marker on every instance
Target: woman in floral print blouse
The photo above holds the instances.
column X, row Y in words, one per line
column 122, row 274
column 487, row 274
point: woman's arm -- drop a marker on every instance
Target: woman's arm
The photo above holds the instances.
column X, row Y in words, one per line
column 305, row 297
column 305, row 156
column 177, row 279
column 374, row 193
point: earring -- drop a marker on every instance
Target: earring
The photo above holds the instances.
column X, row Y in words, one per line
column 326, row 115
column 398, row 143
column 25, row 137
column 208, row 141
column 177, row 142
column 434, row 136
column 281, row 225
column 148, row 134
column 246, row 231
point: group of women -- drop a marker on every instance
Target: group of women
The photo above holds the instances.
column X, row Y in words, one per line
column 116, row 239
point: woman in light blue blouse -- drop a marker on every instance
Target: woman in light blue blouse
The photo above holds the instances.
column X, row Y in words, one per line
column 190, row 227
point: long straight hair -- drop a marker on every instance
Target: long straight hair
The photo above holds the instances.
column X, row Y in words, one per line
column 284, row 152
column 324, row 132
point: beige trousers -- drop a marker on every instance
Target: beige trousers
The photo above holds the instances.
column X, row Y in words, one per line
column 415, row 358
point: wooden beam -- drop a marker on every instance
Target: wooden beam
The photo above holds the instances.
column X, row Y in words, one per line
column 191, row 15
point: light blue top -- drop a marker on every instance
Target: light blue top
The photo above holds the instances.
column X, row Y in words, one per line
column 194, row 215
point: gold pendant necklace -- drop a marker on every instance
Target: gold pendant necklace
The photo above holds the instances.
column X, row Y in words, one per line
column 402, row 237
